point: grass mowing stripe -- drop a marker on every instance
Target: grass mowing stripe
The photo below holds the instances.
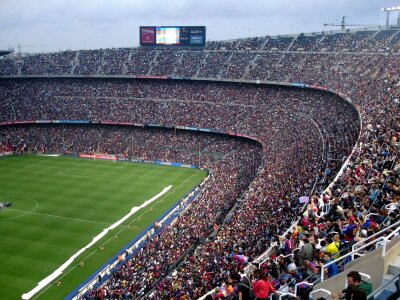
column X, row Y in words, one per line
column 44, row 282
column 35, row 245
column 55, row 216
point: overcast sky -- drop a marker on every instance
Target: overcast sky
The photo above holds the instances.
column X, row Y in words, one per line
column 53, row 25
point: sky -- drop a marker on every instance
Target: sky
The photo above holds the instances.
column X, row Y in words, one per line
column 57, row 25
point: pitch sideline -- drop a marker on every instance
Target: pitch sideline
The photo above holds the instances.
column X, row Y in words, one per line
column 59, row 271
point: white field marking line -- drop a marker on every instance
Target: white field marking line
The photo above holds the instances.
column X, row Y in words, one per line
column 130, row 223
column 148, row 173
column 55, row 216
column 26, row 212
column 97, row 165
column 81, row 174
column 59, row 271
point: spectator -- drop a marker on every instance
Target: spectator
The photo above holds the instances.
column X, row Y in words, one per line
column 357, row 289
column 262, row 288
column 332, row 269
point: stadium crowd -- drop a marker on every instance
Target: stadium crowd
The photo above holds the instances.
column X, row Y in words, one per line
column 221, row 59
column 305, row 135
column 132, row 143
column 307, row 113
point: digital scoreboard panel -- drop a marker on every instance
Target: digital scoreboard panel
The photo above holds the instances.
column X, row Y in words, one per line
column 172, row 36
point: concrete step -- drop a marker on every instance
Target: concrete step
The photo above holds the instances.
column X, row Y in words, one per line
column 390, row 289
column 394, row 267
column 386, row 278
column 384, row 295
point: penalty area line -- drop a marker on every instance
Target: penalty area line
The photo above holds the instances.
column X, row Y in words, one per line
column 60, row 270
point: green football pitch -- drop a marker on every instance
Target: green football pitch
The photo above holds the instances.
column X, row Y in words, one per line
column 59, row 204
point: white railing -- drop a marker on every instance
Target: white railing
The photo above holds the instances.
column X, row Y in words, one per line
column 391, row 206
column 387, row 239
column 283, row 294
column 382, row 287
column 303, row 282
column 355, row 251
column 382, row 239
column 373, row 237
column 371, row 243
column 285, row 256
column 328, row 293
column 335, row 261
column 264, row 257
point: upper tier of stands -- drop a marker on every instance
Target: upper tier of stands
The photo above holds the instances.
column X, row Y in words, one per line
column 225, row 63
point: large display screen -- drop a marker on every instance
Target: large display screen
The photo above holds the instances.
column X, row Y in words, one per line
column 167, row 36
column 172, row 35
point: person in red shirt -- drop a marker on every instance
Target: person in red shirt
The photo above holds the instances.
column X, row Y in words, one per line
column 262, row 287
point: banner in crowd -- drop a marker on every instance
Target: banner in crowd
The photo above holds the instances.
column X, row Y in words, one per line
column 303, row 199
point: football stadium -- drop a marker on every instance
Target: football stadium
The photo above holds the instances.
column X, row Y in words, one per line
column 252, row 168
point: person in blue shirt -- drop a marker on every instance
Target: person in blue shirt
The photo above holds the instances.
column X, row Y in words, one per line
column 332, row 269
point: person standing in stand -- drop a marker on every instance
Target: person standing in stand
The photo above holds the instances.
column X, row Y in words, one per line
column 243, row 286
column 261, row 287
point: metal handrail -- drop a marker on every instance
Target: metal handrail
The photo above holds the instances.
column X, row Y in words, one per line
column 378, row 290
column 352, row 253
column 303, row 282
column 283, row 256
column 281, row 294
column 390, row 206
column 267, row 253
column 374, row 235
column 381, row 238
column 371, row 214
column 320, row 290
column 332, row 262
column 387, row 239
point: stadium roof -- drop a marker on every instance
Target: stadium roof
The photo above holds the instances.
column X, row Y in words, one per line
column 5, row 52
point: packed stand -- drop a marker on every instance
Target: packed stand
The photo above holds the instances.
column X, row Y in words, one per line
column 167, row 61
column 287, row 110
column 305, row 42
column 213, row 64
column 137, row 61
column 8, row 66
column 114, row 61
column 369, row 184
column 223, row 45
column 278, row 43
column 88, row 62
column 140, row 62
column 134, row 143
column 190, row 62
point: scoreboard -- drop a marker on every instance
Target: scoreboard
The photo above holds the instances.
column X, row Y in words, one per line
column 172, row 35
